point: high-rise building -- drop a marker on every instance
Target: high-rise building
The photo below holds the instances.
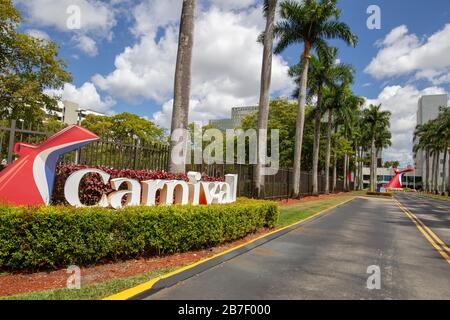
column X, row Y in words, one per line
column 237, row 115
column 428, row 109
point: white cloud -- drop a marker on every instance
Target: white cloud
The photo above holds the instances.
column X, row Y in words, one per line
column 97, row 18
column 151, row 14
column 403, row 53
column 402, row 102
column 226, row 63
column 86, row 44
column 38, row 34
column 86, row 96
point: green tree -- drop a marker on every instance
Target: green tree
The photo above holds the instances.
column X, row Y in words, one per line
column 311, row 23
column 377, row 122
column 423, row 139
column 433, row 138
column 443, row 129
column 282, row 114
column 324, row 75
column 125, row 127
column 28, row 66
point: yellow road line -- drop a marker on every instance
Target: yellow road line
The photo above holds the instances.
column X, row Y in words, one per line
column 129, row 293
column 428, row 234
column 431, row 233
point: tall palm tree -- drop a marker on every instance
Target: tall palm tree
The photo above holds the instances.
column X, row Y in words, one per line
column 443, row 131
column 336, row 102
column 182, row 85
column 347, row 109
column 376, row 121
column 310, row 22
column 324, row 74
column 422, row 135
column 264, row 98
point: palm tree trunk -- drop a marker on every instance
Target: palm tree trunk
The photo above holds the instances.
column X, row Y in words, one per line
column 334, row 172
column 328, row 156
column 433, row 167
column 316, row 146
column 182, row 86
column 372, row 166
column 348, row 173
column 300, row 122
column 361, row 174
column 356, row 176
column 436, row 173
column 264, row 99
column 444, row 169
column 448, row 178
column 345, row 173
column 427, row 172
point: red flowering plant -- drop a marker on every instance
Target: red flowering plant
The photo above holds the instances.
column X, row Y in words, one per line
column 92, row 186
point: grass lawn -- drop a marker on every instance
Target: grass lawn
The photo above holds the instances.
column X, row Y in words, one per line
column 91, row 292
column 297, row 212
column 288, row 215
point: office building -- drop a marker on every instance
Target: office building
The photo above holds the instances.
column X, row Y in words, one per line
column 237, row 115
column 70, row 112
column 428, row 109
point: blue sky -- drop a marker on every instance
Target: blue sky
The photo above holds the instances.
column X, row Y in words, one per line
column 122, row 57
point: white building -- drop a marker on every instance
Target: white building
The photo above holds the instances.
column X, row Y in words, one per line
column 70, row 112
column 428, row 109
column 385, row 175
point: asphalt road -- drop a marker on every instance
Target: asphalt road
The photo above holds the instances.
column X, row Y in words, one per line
column 435, row 214
column 328, row 258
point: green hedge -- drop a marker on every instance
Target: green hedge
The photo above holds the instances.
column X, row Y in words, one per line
column 56, row 236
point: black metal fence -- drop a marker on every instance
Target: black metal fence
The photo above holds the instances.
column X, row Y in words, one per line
column 116, row 154
column 106, row 152
column 277, row 186
column 14, row 131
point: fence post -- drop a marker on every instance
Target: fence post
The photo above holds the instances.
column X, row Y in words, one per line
column 12, row 134
column 136, row 152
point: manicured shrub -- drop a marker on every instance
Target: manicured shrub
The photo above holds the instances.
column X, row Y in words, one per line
column 57, row 236
column 92, row 186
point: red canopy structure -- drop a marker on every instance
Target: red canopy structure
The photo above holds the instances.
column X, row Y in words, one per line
column 396, row 182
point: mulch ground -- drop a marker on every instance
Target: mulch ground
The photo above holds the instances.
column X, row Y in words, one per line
column 16, row 283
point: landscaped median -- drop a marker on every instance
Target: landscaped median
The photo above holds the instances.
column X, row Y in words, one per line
column 266, row 215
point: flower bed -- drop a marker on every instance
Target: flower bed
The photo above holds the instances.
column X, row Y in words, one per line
column 57, row 236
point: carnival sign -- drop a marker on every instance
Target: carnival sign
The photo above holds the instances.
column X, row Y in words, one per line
column 29, row 179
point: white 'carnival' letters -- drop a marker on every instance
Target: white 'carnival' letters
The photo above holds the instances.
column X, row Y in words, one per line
column 73, row 185
column 132, row 194
column 194, row 192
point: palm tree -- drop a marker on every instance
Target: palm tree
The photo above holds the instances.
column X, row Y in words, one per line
column 325, row 73
column 384, row 141
column 443, row 131
column 377, row 121
column 422, row 135
column 310, row 22
column 266, row 75
column 346, row 111
column 182, row 85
